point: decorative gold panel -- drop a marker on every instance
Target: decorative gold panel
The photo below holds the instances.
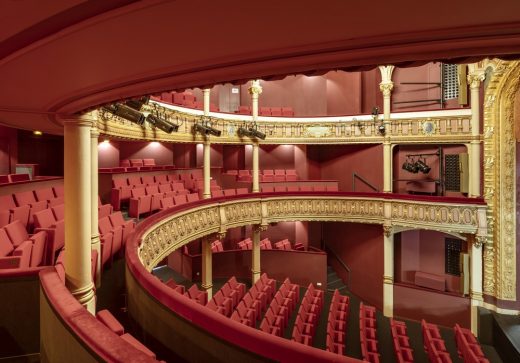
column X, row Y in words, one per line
column 179, row 229
column 499, row 180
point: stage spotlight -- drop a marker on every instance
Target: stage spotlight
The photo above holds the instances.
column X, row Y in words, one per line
column 410, row 166
column 206, row 130
column 137, row 103
column 162, row 124
column 251, row 132
column 126, row 112
column 422, row 167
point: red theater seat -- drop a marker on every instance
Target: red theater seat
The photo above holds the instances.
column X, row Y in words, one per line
column 240, row 191
column 47, row 194
column 287, row 112
column 148, row 180
column 11, row 212
column 19, row 177
column 117, row 220
column 135, row 182
column 153, row 192
column 121, row 192
column 244, row 110
column 106, row 228
column 18, row 235
column 193, row 197
column 4, row 179
column 136, row 162
column 167, row 202
column 59, row 212
column 149, row 162
column 104, row 209
column 54, row 230
column 11, row 257
column 229, row 192
column 265, row 111
column 276, row 111
column 124, row 163
column 140, row 203
column 27, row 198
column 217, row 193
column 290, row 175
column 195, row 294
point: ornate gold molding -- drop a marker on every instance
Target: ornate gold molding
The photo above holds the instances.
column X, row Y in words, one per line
column 499, row 181
column 181, row 228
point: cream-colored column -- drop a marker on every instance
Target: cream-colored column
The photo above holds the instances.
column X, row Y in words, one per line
column 255, row 253
column 94, row 232
column 386, row 87
column 255, row 90
column 207, row 169
column 77, row 181
column 388, row 277
column 207, row 266
column 207, row 150
column 475, row 290
column 475, row 77
column 256, row 172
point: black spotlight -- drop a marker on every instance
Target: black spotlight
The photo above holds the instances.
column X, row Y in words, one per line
column 137, row 103
column 250, row 132
column 162, row 124
column 126, row 112
column 422, row 167
column 206, row 130
column 410, row 166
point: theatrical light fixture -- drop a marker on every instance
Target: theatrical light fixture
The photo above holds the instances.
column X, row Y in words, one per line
column 137, row 103
column 162, row 124
column 251, row 131
column 412, row 166
column 126, row 112
column 37, row 133
column 422, row 167
column 205, row 128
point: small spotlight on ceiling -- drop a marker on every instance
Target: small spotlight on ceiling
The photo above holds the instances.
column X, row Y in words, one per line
column 162, row 124
column 37, row 133
column 137, row 103
column 106, row 141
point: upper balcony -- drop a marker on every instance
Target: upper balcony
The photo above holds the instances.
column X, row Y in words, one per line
column 433, row 127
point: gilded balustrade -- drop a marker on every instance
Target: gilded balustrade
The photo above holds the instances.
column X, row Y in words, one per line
column 176, row 229
column 446, row 128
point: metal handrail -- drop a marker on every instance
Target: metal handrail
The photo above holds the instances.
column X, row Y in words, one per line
column 343, row 264
column 356, row 175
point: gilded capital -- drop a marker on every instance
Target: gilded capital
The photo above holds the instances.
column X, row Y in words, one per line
column 387, row 230
column 386, row 88
column 260, row 228
column 255, row 88
column 475, row 77
column 386, row 73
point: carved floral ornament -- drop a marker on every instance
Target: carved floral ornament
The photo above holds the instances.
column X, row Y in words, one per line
column 179, row 229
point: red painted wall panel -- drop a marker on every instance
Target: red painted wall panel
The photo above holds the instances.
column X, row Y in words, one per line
column 108, row 154
column 360, row 246
column 161, row 152
column 8, row 150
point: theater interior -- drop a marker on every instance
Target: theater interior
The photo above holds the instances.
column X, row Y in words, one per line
column 232, row 181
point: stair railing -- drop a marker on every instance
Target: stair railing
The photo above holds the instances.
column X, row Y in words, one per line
column 342, row 263
column 357, row 176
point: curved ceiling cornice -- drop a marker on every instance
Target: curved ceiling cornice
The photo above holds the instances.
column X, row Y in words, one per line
column 83, row 59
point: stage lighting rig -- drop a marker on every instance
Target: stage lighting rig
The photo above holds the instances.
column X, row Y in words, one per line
column 205, row 127
column 126, row 112
column 251, row 131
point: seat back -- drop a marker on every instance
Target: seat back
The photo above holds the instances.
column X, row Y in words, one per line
column 19, row 177
column 24, row 198
column 44, row 219
column 116, row 219
column 148, row 179
column 17, row 233
column 152, row 190
column 167, row 202
column 104, row 225
column 44, row 194
column 6, row 247
column 138, row 192
column 59, row 191
column 193, row 197
column 180, row 199
column 149, row 162
column 136, row 162
column 135, row 181
column 59, row 212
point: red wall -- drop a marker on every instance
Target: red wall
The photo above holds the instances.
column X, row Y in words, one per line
column 45, row 150
column 161, row 152
column 8, row 150
column 360, row 246
column 422, row 250
column 108, row 154
column 417, row 304
column 184, row 155
column 338, row 162
column 344, row 91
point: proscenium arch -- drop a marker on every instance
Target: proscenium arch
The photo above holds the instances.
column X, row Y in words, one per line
column 500, row 183
column 169, row 230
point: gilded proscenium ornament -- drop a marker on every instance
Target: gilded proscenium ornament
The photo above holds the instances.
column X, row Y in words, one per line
column 499, row 251
column 181, row 228
column 255, row 88
column 386, row 88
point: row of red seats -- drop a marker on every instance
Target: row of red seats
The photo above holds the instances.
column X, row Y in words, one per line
column 299, row 188
column 13, row 178
column 198, row 186
column 367, row 333
column 114, row 231
column 18, row 249
column 23, row 205
column 468, row 347
column 148, row 199
column 277, row 175
column 281, row 307
column 169, row 202
column 403, row 352
column 173, row 285
column 105, row 317
column 133, row 169
column 216, row 193
column 185, row 99
column 228, row 297
column 199, row 296
column 337, row 323
column 268, row 111
column 137, row 162
column 308, row 316
column 434, row 344
column 122, row 187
